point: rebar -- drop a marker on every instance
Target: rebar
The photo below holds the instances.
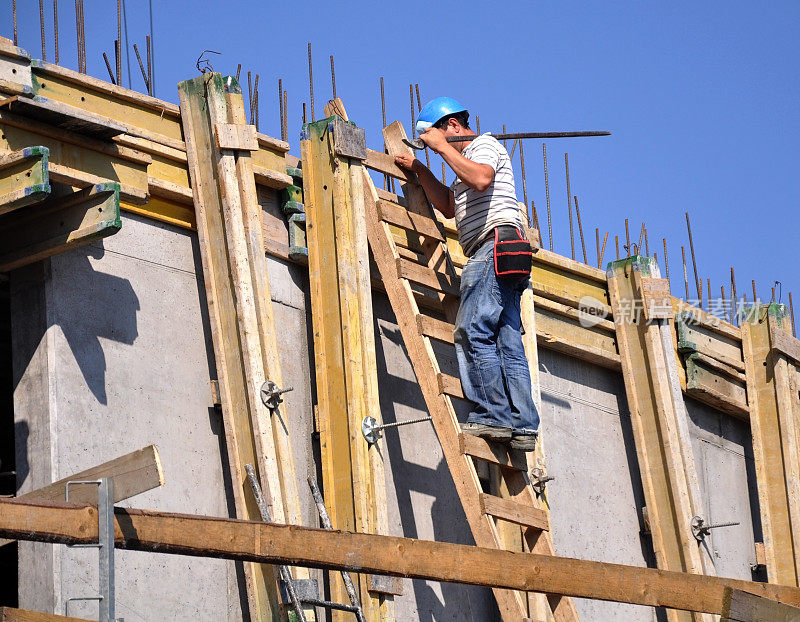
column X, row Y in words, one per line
column 419, row 107
column 627, row 239
column 41, row 24
column 285, row 128
column 597, row 244
column 524, row 178
column 646, row 244
column 691, row 248
column 255, row 102
column 55, row 27
column 311, row 82
column 280, row 106
column 791, row 313
column 603, row 251
column 238, row 71
column 734, row 299
column 700, row 294
column 641, row 238
column 535, row 217
column 110, row 71
column 444, row 176
column 755, row 294
column 383, row 125
column 569, row 207
column 141, row 67
column 14, row 18
column 505, row 142
column 685, row 275
column 547, row 195
column 666, row 257
column 305, row 118
column 616, row 241
column 413, row 121
column 478, row 124
column 151, row 55
column 722, row 293
column 333, row 78
column 149, row 45
column 119, row 42
column 580, row 231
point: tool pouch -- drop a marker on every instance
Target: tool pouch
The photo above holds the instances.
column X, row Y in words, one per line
column 513, row 256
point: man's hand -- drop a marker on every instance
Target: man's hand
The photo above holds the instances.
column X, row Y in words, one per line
column 405, row 161
column 434, row 138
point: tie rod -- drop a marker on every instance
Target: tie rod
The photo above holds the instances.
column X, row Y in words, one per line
column 417, row 143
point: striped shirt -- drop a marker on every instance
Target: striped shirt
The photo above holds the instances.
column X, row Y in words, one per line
column 478, row 213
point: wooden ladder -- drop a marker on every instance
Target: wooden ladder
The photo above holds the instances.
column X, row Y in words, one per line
column 421, row 273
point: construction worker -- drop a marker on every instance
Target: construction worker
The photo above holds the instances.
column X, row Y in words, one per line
column 491, row 359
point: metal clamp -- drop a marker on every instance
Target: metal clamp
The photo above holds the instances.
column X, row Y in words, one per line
column 538, row 479
column 373, row 432
column 700, row 530
column 271, row 394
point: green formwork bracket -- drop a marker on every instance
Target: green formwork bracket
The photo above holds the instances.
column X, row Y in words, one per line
column 295, row 173
column 637, row 263
column 298, row 248
column 293, row 207
column 292, row 194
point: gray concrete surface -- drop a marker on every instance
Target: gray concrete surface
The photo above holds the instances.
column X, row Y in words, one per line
column 112, row 352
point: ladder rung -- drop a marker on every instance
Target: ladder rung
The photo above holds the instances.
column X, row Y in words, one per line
column 436, row 329
column 425, row 276
column 450, row 385
column 496, row 453
column 514, row 512
column 411, row 221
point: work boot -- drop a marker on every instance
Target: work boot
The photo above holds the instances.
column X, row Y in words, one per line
column 489, row 432
column 523, row 442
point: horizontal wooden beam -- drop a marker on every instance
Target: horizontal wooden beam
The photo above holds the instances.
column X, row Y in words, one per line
column 58, row 224
column 9, row 614
column 227, row 538
column 384, row 163
column 742, row 606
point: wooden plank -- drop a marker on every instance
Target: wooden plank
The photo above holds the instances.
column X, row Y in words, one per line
column 436, row 329
column 63, row 116
column 695, row 337
column 400, row 217
column 741, row 606
column 557, row 332
column 235, row 136
column 9, row 614
column 164, row 210
column 709, row 381
column 228, row 538
column 10, row 87
column 383, row 163
column 234, row 328
column 706, row 320
column 449, row 385
column 438, row 281
column 600, row 323
column 140, row 115
column 271, row 179
column 514, row 512
column 58, row 224
column 773, row 398
column 24, row 177
column 660, row 424
column 566, row 287
column 784, row 342
column 496, row 453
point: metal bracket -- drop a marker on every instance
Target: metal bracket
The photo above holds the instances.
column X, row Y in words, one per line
column 700, row 530
column 105, row 544
column 349, row 140
column 538, row 480
column 271, row 394
column 373, row 432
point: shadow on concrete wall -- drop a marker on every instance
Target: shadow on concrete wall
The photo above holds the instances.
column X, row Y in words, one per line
column 86, row 304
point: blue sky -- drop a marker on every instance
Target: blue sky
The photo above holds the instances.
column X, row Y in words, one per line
column 701, row 97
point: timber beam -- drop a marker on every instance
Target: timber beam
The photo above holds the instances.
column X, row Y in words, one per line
column 67, row 220
column 9, row 614
column 271, row 543
column 773, row 378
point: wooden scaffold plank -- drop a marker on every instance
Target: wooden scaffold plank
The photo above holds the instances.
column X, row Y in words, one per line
column 344, row 346
column 243, row 333
column 772, row 389
column 658, row 416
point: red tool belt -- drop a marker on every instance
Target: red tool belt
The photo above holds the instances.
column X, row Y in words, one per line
column 513, row 256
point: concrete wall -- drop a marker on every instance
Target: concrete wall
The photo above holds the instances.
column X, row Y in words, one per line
column 112, row 352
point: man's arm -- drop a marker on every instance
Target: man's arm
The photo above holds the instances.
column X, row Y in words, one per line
column 440, row 195
column 474, row 174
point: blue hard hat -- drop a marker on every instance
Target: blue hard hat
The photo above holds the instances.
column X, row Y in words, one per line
column 435, row 110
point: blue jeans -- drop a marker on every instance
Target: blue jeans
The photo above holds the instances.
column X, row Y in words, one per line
column 488, row 338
